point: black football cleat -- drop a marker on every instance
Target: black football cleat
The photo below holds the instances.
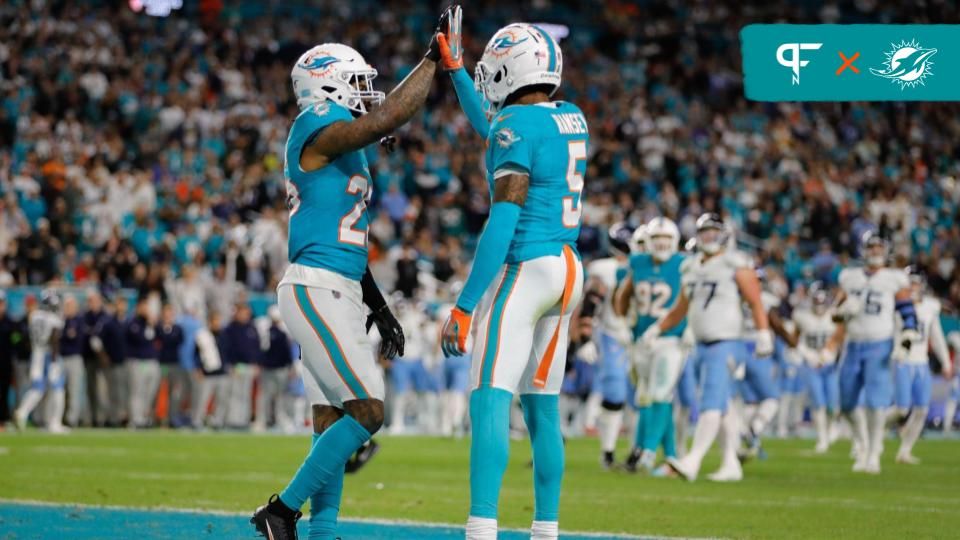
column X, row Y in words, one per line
column 272, row 524
column 363, row 456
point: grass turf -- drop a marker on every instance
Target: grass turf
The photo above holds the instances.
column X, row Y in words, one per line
column 792, row 495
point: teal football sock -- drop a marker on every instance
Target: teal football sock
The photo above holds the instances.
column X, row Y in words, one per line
column 653, row 435
column 326, row 460
column 325, row 507
column 542, row 414
column 643, row 421
column 489, row 448
column 669, row 439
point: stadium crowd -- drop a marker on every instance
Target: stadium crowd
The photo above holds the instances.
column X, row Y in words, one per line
column 161, row 171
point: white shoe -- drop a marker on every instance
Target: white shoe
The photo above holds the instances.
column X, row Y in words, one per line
column 860, row 463
column 908, row 459
column 58, row 429
column 19, row 421
column 854, row 450
column 873, row 466
column 726, row 474
column 821, row 448
column 685, row 472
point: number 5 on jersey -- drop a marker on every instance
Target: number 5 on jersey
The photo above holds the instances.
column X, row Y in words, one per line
column 572, row 207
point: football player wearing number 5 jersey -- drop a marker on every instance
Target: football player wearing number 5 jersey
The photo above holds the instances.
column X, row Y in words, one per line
column 869, row 301
column 715, row 284
column 323, row 292
column 527, row 277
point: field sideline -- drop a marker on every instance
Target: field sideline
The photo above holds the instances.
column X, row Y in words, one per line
column 792, row 495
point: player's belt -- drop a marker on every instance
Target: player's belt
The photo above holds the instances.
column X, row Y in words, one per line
column 543, row 369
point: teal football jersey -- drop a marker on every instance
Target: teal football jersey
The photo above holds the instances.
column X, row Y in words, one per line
column 656, row 288
column 328, row 207
column 548, row 142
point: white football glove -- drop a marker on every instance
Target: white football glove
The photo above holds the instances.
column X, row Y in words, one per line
column 905, row 341
column 827, row 356
column 811, row 357
column 764, row 346
column 650, row 335
column 850, row 308
column 588, row 352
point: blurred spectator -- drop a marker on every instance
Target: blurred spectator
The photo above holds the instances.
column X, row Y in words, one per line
column 243, row 344
column 96, row 361
column 142, row 353
column 210, row 377
column 113, row 336
column 275, row 374
column 72, row 341
column 178, row 379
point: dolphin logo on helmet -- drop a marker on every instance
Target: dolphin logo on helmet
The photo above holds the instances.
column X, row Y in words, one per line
column 518, row 55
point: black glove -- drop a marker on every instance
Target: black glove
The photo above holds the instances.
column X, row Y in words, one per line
column 389, row 143
column 433, row 53
column 391, row 334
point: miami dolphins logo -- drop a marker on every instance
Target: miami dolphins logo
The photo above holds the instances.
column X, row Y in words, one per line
column 907, row 64
column 506, row 41
column 319, row 64
column 505, row 137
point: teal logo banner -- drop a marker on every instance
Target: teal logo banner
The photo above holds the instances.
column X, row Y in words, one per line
column 855, row 62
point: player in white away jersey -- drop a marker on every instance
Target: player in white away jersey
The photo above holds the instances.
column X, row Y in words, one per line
column 814, row 328
column 869, row 301
column 913, row 377
column 714, row 284
column 759, row 389
column 611, row 335
column 46, row 366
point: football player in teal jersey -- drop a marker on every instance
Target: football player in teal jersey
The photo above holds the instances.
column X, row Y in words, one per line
column 324, row 290
column 651, row 288
column 527, row 277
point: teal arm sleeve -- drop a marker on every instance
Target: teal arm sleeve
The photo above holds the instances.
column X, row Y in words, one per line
column 491, row 252
column 470, row 101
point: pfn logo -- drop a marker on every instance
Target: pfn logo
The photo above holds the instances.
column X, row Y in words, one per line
column 794, row 62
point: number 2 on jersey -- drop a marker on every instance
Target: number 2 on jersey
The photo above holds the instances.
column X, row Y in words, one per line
column 572, row 206
column 347, row 233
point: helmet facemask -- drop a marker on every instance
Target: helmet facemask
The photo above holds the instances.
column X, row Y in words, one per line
column 710, row 241
column 662, row 247
column 481, row 76
column 876, row 255
column 364, row 98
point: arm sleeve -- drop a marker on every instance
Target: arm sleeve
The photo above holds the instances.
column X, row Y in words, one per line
column 491, row 253
column 470, row 101
column 372, row 296
column 908, row 313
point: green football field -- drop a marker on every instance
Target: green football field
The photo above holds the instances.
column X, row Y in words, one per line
column 794, row 494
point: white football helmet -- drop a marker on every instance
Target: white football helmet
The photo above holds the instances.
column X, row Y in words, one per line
column 712, row 233
column 638, row 243
column 663, row 238
column 518, row 55
column 335, row 72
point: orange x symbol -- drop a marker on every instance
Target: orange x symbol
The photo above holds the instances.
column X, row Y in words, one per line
column 848, row 62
